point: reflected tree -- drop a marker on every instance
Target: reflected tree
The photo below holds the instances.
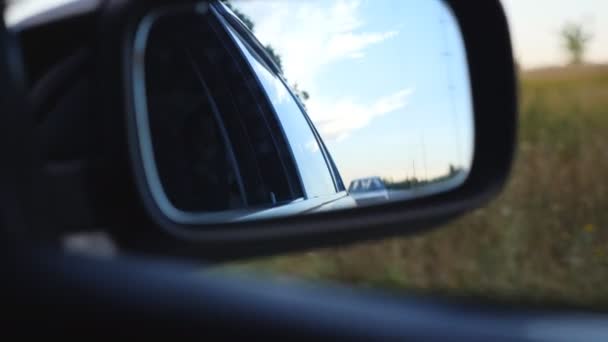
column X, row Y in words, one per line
column 276, row 58
column 244, row 18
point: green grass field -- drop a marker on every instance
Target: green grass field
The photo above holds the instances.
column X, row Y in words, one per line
column 545, row 238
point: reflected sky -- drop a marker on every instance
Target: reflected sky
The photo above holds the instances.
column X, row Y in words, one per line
column 388, row 84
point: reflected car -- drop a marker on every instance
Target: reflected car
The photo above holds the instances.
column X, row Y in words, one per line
column 368, row 190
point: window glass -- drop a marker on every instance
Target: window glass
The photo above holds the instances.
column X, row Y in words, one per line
column 190, row 150
column 314, row 172
column 213, row 147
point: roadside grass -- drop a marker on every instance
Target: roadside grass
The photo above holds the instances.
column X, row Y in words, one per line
column 544, row 239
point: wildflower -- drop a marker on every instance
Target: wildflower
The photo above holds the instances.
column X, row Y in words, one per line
column 599, row 252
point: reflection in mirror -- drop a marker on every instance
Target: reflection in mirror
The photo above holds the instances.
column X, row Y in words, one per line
column 256, row 109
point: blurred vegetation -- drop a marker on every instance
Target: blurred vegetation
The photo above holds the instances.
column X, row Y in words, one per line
column 576, row 41
column 544, row 239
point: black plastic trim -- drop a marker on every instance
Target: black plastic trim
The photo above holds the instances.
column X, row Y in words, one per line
column 218, row 118
column 282, row 136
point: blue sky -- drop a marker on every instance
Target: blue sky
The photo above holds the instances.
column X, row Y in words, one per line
column 389, row 84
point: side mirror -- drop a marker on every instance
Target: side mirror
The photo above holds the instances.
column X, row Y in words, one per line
column 208, row 148
column 224, row 150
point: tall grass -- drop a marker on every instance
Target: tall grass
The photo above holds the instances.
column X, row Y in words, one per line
column 544, row 239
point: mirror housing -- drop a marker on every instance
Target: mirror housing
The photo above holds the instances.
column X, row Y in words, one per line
column 493, row 87
column 119, row 202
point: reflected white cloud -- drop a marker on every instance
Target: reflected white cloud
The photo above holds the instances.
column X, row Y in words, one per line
column 338, row 119
column 304, row 48
column 338, row 34
column 312, row 146
column 350, row 45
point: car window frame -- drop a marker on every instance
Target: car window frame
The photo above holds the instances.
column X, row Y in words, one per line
column 232, row 21
column 279, row 141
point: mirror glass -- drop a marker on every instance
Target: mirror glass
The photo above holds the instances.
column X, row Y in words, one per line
column 256, row 109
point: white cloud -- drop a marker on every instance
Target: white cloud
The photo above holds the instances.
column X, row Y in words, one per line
column 336, row 120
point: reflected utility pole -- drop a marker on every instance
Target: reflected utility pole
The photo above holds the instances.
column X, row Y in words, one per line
column 447, row 53
column 414, row 169
column 426, row 171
